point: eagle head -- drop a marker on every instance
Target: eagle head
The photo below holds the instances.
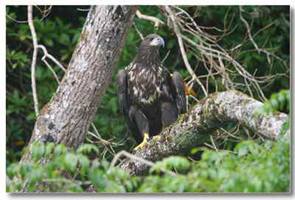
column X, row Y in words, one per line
column 153, row 41
column 148, row 52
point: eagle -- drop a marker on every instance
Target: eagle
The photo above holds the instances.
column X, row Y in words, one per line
column 149, row 96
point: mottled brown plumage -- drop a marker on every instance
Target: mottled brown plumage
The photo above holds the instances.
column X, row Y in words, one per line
column 149, row 97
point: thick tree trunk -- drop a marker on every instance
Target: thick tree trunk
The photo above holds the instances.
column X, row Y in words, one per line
column 194, row 127
column 66, row 118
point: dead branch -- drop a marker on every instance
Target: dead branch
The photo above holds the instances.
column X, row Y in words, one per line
column 51, row 57
column 157, row 22
column 137, row 159
column 206, row 49
column 182, row 50
column 195, row 127
column 258, row 49
column 34, row 58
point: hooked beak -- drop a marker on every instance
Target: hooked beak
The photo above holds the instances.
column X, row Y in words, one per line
column 158, row 41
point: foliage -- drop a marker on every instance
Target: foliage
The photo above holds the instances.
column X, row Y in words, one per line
column 250, row 167
column 279, row 101
column 175, row 163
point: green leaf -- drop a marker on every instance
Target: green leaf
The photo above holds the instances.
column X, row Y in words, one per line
column 38, row 150
column 87, row 148
column 70, row 161
column 171, row 163
column 60, row 149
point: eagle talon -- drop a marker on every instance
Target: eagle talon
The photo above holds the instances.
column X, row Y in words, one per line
column 143, row 143
column 157, row 137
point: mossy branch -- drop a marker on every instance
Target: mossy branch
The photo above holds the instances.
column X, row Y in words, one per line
column 196, row 126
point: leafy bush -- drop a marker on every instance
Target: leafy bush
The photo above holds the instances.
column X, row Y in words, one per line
column 279, row 101
column 250, row 167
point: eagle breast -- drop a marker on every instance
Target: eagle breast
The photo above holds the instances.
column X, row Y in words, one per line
column 145, row 83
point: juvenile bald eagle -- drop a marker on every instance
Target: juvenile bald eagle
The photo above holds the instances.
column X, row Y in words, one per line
column 149, row 96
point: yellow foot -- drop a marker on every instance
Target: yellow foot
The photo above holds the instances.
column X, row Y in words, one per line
column 157, row 137
column 144, row 141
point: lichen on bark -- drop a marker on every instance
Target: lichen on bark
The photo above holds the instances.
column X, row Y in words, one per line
column 196, row 126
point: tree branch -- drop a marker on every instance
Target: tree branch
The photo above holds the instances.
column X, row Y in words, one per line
column 182, row 50
column 34, row 58
column 157, row 22
column 196, row 126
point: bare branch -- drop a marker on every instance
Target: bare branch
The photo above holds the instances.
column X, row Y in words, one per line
column 258, row 49
column 183, row 53
column 47, row 55
column 44, row 12
column 137, row 159
column 83, row 9
column 138, row 32
column 248, row 30
column 157, row 22
column 131, row 156
column 34, row 58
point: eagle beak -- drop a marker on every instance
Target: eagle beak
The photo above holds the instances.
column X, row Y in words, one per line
column 158, row 41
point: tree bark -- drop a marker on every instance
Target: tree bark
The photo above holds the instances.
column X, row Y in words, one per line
column 66, row 118
column 194, row 127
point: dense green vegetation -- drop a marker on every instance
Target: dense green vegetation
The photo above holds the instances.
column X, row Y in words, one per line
column 250, row 167
column 246, row 163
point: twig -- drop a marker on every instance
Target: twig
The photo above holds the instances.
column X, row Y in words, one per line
column 166, row 56
column 240, row 69
column 182, row 50
column 35, row 54
column 34, row 58
column 52, row 70
column 206, row 46
column 17, row 21
column 105, row 142
column 157, row 22
column 258, row 49
column 83, row 9
column 131, row 156
column 45, row 13
column 232, row 133
column 47, row 55
column 248, row 30
column 213, row 143
column 135, row 158
column 138, row 32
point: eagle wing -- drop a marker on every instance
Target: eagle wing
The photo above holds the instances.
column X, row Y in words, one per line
column 179, row 86
column 174, row 88
column 131, row 114
column 122, row 92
